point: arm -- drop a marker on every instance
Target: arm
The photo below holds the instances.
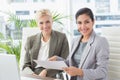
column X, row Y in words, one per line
column 63, row 51
column 64, row 48
column 27, row 62
column 97, row 72
column 100, row 71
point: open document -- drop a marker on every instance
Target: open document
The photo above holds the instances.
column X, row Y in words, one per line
column 51, row 64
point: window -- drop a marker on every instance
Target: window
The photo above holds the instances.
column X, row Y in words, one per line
column 107, row 17
column 118, row 5
column 22, row 13
column 102, row 6
column 17, row 0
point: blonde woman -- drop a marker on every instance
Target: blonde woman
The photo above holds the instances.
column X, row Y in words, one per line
column 44, row 45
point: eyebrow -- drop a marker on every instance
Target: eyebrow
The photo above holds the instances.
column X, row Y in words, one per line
column 84, row 20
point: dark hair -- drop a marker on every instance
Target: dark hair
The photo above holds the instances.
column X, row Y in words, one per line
column 86, row 11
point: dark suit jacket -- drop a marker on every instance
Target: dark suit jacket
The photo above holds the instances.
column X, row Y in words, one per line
column 58, row 46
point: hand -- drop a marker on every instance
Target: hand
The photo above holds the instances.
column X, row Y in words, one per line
column 53, row 58
column 73, row 71
column 43, row 73
column 34, row 74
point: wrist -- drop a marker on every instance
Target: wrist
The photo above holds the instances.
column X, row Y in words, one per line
column 80, row 72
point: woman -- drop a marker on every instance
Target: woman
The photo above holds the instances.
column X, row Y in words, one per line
column 44, row 45
column 89, row 52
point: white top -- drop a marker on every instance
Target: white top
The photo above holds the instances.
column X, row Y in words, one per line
column 44, row 50
column 43, row 55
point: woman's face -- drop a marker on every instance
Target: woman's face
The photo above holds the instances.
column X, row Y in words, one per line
column 85, row 24
column 45, row 24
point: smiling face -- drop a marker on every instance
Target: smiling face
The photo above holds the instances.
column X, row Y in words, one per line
column 85, row 24
column 85, row 21
column 44, row 21
column 45, row 24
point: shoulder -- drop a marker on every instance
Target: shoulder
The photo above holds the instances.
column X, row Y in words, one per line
column 76, row 38
column 33, row 37
column 101, row 45
column 101, row 41
column 58, row 34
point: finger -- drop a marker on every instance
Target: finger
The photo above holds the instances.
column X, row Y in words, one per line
column 53, row 58
column 34, row 74
column 65, row 69
column 50, row 59
column 42, row 75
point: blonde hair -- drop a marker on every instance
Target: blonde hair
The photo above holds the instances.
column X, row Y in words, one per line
column 43, row 12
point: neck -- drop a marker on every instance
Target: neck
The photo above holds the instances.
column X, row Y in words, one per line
column 45, row 37
column 84, row 38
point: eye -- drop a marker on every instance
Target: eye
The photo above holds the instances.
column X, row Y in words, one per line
column 47, row 21
column 40, row 22
column 79, row 22
column 87, row 21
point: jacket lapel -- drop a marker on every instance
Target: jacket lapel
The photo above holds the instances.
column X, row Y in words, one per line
column 36, row 46
column 75, row 45
column 53, row 42
column 84, row 55
column 87, row 49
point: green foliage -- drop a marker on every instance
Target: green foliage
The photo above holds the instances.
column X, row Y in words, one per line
column 1, row 36
column 11, row 49
column 16, row 20
column 13, row 19
column 9, row 46
column 57, row 17
column 32, row 23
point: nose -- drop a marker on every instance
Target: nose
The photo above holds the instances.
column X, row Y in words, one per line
column 82, row 25
column 44, row 25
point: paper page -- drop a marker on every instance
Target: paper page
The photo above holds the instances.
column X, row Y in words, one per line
column 51, row 64
column 28, row 78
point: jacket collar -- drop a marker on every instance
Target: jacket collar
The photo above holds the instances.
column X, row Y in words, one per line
column 37, row 43
column 87, row 49
column 36, row 46
column 53, row 42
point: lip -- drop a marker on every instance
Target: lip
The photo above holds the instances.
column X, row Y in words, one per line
column 84, row 31
column 46, row 29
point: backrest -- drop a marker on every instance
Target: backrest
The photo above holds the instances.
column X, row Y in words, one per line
column 113, row 36
column 26, row 32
